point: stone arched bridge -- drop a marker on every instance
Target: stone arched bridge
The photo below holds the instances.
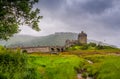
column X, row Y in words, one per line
column 57, row 49
column 50, row 49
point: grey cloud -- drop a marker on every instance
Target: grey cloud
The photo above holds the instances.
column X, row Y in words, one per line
column 99, row 18
column 113, row 21
column 97, row 6
column 51, row 4
column 80, row 11
column 88, row 6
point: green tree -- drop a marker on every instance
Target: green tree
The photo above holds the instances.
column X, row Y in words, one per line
column 17, row 12
column 99, row 47
column 85, row 47
column 92, row 44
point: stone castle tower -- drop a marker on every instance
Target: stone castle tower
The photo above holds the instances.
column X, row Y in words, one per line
column 82, row 38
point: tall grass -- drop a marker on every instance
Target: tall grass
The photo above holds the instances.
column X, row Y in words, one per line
column 103, row 67
column 110, row 69
column 18, row 65
column 57, row 67
column 14, row 65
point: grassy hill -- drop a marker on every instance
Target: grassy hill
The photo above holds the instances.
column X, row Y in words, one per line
column 16, row 40
column 57, row 39
column 50, row 40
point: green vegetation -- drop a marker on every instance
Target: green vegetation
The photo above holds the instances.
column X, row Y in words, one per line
column 14, row 65
column 18, row 65
column 90, row 46
column 57, row 67
column 67, row 66
column 14, row 13
column 110, row 68
column 103, row 66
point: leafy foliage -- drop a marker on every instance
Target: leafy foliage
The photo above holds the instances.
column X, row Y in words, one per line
column 14, row 65
column 16, row 12
column 90, row 46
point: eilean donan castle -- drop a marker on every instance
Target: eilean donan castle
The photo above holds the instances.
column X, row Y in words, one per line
column 82, row 39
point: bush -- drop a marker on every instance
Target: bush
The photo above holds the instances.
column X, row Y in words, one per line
column 85, row 47
column 92, row 44
column 24, row 51
column 75, row 47
column 14, row 65
column 99, row 47
column 84, row 75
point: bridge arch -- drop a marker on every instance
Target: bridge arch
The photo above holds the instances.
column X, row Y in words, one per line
column 24, row 51
column 58, row 49
column 52, row 49
column 62, row 49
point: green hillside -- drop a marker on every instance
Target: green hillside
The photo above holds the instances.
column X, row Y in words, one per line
column 16, row 40
column 57, row 39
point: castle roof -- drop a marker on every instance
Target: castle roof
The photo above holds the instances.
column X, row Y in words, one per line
column 82, row 33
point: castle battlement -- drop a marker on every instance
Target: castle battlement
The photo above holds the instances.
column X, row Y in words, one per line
column 82, row 39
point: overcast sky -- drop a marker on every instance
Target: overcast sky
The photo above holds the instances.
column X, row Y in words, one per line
column 100, row 19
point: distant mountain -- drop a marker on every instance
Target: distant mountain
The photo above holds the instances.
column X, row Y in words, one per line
column 17, row 39
column 57, row 39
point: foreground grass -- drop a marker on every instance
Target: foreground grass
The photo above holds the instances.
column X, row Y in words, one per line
column 103, row 67
column 110, row 68
column 57, row 67
column 64, row 66
column 17, row 65
column 14, row 65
